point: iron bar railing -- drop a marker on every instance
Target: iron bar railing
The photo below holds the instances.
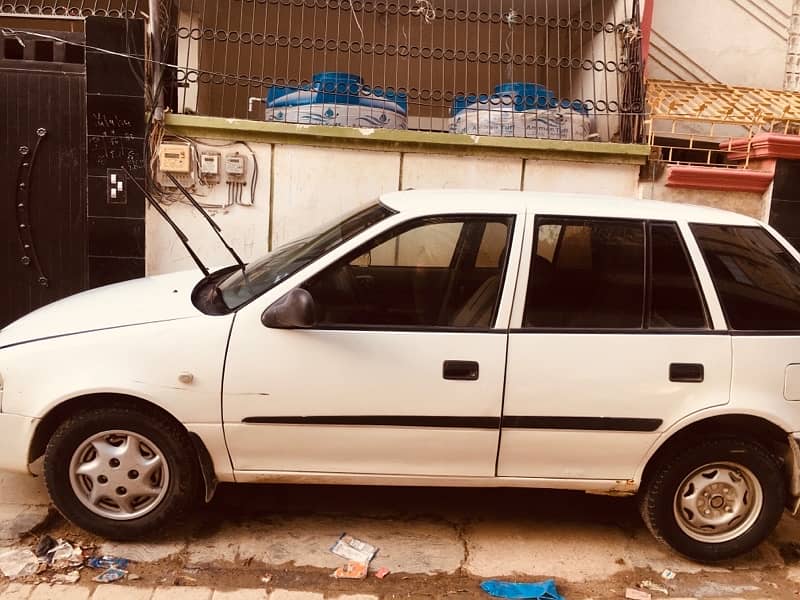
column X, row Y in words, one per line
column 557, row 69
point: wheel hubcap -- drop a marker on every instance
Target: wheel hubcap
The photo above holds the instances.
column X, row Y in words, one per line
column 718, row 502
column 119, row 475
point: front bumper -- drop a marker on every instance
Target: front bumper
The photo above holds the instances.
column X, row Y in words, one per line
column 15, row 439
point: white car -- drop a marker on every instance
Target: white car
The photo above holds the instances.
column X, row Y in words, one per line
column 446, row 338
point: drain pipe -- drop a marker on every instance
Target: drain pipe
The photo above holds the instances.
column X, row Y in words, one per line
column 155, row 54
column 791, row 79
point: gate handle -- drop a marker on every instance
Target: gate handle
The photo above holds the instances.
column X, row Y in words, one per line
column 22, row 206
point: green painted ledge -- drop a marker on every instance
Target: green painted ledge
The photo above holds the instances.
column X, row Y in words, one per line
column 404, row 141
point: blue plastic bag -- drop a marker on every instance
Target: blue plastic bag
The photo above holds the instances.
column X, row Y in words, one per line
column 546, row 590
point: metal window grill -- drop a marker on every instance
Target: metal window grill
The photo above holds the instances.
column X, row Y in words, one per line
column 76, row 9
column 537, row 68
column 556, row 69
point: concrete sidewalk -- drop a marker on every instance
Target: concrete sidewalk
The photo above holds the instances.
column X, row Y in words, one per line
column 111, row 592
column 114, row 592
column 436, row 539
column 23, row 506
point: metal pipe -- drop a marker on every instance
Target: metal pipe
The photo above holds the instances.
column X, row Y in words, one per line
column 155, row 54
column 791, row 79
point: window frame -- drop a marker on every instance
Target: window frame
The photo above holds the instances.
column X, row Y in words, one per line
column 729, row 330
column 695, row 279
column 408, row 225
column 526, row 277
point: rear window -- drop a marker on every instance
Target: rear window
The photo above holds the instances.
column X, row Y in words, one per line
column 757, row 280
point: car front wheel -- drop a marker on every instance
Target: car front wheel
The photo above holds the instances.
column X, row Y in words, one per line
column 119, row 472
column 715, row 500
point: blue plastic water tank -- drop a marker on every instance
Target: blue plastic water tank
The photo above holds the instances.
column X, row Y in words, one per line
column 335, row 87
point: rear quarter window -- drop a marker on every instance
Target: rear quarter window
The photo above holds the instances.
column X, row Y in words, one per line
column 757, row 280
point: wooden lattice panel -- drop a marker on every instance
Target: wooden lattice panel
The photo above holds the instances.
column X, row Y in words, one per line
column 722, row 103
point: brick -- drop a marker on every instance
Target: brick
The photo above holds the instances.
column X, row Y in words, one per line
column 288, row 595
column 182, row 593
column 122, row 592
column 46, row 591
column 17, row 591
column 243, row 594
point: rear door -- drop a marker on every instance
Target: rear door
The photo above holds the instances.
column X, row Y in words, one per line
column 611, row 343
column 757, row 279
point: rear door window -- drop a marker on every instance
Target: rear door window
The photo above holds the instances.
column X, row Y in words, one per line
column 757, row 280
column 675, row 298
column 587, row 274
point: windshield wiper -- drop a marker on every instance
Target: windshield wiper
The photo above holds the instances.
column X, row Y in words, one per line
column 173, row 224
column 208, row 218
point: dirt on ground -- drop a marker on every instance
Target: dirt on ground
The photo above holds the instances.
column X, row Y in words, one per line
column 237, row 504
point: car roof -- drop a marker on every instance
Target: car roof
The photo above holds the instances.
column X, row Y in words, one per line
column 590, row 205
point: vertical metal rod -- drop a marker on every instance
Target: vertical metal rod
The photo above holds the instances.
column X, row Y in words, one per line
column 155, row 53
column 791, row 80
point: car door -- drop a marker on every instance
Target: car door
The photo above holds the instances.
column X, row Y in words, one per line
column 403, row 373
column 612, row 344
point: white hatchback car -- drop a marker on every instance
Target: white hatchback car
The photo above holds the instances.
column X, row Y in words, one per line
column 449, row 338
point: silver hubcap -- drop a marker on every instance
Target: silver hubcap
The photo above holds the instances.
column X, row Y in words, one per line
column 119, row 475
column 718, row 502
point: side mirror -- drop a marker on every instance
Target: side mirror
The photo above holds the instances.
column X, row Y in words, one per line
column 295, row 310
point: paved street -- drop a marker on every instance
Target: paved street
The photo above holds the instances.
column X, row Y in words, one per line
column 435, row 542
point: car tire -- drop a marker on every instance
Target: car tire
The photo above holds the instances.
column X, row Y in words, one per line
column 716, row 499
column 121, row 472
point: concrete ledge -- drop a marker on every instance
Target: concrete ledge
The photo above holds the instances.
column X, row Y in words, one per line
column 402, row 140
column 718, row 178
column 764, row 145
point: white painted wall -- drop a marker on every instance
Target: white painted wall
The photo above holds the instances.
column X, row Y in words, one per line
column 302, row 187
column 244, row 227
column 315, row 185
column 582, row 178
column 738, row 42
column 442, row 171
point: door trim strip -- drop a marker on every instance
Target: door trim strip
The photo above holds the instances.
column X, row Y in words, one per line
column 383, row 421
column 582, row 423
column 511, row 422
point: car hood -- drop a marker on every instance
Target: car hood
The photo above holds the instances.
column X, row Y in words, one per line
column 146, row 300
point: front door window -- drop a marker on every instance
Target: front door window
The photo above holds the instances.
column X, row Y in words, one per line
column 432, row 273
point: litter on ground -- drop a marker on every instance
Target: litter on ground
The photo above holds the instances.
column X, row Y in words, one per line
column 19, row 563
column 46, row 543
column 545, row 590
column 382, row 573
column 64, row 578
column 105, row 562
column 351, row 570
column 354, row 549
column 667, row 575
column 634, row 594
column 654, row 587
column 110, row 575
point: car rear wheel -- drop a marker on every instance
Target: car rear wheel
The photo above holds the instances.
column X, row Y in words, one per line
column 715, row 500
column 119, row 472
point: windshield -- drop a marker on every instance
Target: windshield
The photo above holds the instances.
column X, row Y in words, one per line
column 266, row 272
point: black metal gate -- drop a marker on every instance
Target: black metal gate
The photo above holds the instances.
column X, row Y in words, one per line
column 42, row 173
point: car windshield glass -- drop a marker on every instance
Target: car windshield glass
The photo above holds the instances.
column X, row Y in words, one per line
column 266, row 272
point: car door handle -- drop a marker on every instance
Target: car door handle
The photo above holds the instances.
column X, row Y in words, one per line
column 465, row 370
column 686, row 372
